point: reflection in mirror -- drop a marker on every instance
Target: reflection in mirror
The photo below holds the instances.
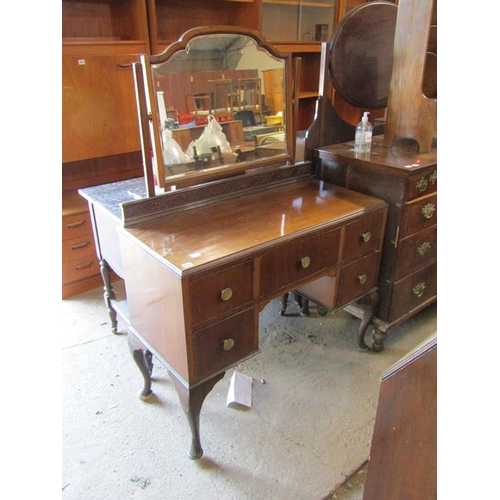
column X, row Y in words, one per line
column 220, row 107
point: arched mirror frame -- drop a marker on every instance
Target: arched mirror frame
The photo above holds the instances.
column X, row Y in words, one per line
column 149, row 114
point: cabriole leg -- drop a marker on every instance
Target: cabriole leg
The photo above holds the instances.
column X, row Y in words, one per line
column 144, row 360
column 192, row 401
column 369, row 312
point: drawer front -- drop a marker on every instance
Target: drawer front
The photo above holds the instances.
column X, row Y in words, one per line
column 358, row 277
column 225, row 343
column 364, row 235
column 414, row 290
column 415, row 252
column 76, row 225
column 419, row 215
column 297, row 260
column 78, row 247
column 80, row 268
column 221, row 291
column 421, row 184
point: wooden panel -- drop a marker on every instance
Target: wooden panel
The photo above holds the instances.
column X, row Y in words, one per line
column 76, row 225
column 358, row 278
column 79, row 269
column 403, row 455
column 210, row 355
column 413, row 290
column 419, row 215
column 323, row 290
column 285, row 265
column 99, row 109
column 415, row 251
column 363, row 235
column 78, row 247
column 238, row 279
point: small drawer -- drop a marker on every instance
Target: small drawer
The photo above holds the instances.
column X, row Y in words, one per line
column 415, row 252
column 78, row 247
column 418, row 215
column 76, row 225
column 221, row 291
column 364, row 235
column 413, row 290
column 421, row 184
column 358, row 278
column 295, row 261
column 80, row 268
column 226, row 343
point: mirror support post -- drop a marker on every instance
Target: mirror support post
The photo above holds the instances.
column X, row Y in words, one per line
column 143, row 129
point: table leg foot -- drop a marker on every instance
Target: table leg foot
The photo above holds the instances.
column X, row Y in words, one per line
column 369, row 312
column 192, row 401
column 378, row 340
column 144, row 360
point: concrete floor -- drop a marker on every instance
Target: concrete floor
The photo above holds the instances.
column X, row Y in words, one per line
column 308, row 430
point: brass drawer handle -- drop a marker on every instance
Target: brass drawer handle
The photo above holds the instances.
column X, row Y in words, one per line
column 226, row 294
column 362, row 279
column 428, row 210
column 305, row 262
column 84, row 266
column 366, row 237
column 228, row 344
column 433, row 177
column 422, row 185
column 423, row 248
column 75, row 225
column 418, row 290
column 80, row 246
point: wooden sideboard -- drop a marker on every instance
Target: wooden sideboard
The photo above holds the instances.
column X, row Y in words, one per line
column 200, row 264
column 407, row 181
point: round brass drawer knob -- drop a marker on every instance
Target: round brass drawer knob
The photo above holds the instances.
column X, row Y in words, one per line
column 228, row 344
column 305, row 262
column 362, row 279
column 366, row 236
column 226, row 294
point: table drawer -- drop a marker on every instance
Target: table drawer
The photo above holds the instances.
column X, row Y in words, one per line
column 79, row 269
column 76, row 225
column 418, row 215
column 221, row 291
column 364, row 235
column 296, row 261
column 78, row 247
column 223, row 344
column 413, row 290
column 358, row 277
column 415, row 252
column 421, row 184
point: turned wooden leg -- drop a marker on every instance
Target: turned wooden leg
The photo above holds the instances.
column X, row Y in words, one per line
column 284, row 301
column 192, row 401
column 109, row 294
column 144, row 360
column 369, row 312
column 378, row 340
column 304, row 306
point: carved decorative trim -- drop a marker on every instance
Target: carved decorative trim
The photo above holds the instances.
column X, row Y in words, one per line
column 137, row 211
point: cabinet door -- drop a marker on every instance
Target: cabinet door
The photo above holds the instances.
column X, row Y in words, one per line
column 99, row 108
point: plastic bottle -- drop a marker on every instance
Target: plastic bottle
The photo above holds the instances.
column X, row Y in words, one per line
column 363, row 137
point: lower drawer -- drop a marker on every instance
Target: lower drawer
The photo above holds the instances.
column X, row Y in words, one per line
column 358, row 277
column 413, row 290
column 79, row 269
column 75, row 248
column 224, row 344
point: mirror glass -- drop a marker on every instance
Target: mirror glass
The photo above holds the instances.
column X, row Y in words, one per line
column 220, row 104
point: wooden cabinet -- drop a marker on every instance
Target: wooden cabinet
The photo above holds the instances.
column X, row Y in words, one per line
column 408, row 183
column 80, row 265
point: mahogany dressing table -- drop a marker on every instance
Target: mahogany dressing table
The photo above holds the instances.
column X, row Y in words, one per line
column 203, row 252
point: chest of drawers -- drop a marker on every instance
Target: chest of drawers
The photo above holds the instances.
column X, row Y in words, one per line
column 80, row 266
column 408, row 183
